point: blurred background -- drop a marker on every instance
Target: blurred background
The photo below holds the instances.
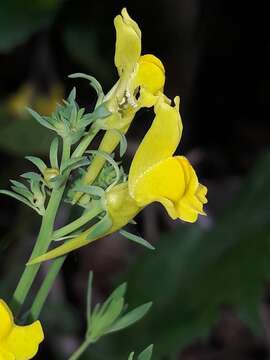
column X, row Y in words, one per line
column 209, row 281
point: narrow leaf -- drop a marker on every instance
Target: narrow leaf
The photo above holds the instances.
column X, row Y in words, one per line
column 89, row 299
column 17, row 197
column 131, row 317
column 54, row 153
column 136, row 239
column 146, row 354
column 31, row 176
column 131, row 356
column 40, row 119
column 40, row 164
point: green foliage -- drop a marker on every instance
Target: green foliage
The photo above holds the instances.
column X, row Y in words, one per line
column 137, row 239
column 69, row 121
column 144, row 355
column 111, row 316
column 195, row 271
column 33, row 196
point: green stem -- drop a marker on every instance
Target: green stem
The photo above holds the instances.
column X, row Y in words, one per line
column 74, row 225
column 46, row 286
column 42, row 243
column 83, row 145
column 80, row 350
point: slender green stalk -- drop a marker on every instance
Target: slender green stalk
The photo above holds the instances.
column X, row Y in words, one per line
column 52, row 274
column 80, row 350
column 74, row 225
column 46, row 286
column 42, row 243
column 83, row 145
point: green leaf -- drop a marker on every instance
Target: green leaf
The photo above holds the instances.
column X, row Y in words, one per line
column 136, row 239
column 90, row 190
column 17, row 197
column 31, row 176
column 40, row 164
column 118, row 293
column 89, row 299
column 21, row 191
column 111, row 161
column 54, row 153
column 131, row 317
column 131, row 356
column 100, row 228
column 104, row 319
column 73, row 163
column 93, row 82
column 146, row 354
column 40, row 119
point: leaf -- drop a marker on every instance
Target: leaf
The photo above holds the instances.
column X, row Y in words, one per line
column 131, row 356
column 146, row 354
column 93, row 82
column 40, row 119
column 104, row 319
column 31, row 176
column 136, row 239
column 131, row 317
column 89, row 299
column 90, row 189
column 40, row 164
column 54, row 153
column 17, row 197
column 73, row 163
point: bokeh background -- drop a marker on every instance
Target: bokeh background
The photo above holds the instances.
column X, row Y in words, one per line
column 209, row 281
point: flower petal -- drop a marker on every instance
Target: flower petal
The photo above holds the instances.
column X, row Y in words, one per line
column 6, row 355
column 159, row 143
column 128, row 42
column 163, row 182
column 23, row 341
column 151, row 73
column 6, row 319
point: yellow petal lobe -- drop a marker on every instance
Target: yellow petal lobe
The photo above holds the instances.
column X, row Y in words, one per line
column 18, row 342
column 128, row 42
column 6, row 319
column 151, row 73
column 159, row 143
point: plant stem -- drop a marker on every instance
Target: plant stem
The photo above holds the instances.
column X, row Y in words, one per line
column 74, row 225
column 53, row 272
column 46, row 286
column 80, row 350
column 42, row 243
column 83, row 145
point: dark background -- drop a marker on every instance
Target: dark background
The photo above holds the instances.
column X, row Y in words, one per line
column 209, row 281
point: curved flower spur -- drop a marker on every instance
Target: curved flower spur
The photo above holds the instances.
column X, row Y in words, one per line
column 155, row 175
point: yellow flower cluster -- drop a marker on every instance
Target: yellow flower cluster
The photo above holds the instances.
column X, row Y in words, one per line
column 155, row 174
column 17, row 342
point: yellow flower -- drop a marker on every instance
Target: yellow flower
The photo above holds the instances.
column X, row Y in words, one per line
column 17, row 342
column 142, row 79
column 155, row 175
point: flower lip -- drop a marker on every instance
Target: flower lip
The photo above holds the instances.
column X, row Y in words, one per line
column 18, row 342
